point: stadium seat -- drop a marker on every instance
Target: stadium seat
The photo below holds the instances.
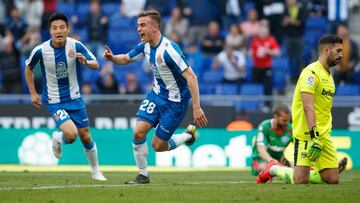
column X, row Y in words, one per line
column 83, row 33
column 67, row 9
column 226, row 89
column 212, row 77
column 120, row 23
column 110, row 8
column 281, row 70
column 316, row 23
column 248, row 69
column 281, row 63
column 251, row 89
column 207, row 61
column 206, row 88
column 82, row 10
column 357, row 77
column 120, row 75
column 348, row 90
column 247, row 6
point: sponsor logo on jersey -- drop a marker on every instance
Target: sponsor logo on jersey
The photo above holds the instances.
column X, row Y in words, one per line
column 327, row 93
column 303, row 154
column 61, row 70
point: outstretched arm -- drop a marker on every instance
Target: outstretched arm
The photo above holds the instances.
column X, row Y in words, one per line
column 198, row 113
column 121, row 59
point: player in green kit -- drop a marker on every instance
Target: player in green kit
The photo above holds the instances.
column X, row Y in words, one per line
column 312, row 122
column 274, row 135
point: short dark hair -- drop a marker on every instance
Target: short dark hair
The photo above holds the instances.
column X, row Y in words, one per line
column 328, row 40
column 153, row 14
column 58, row 16
column 281, row 108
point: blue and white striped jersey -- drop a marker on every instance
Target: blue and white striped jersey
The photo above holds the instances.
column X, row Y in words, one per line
column 60, row 70
column 167, row 63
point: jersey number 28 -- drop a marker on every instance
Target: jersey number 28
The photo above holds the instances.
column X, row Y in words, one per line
column 147, row 106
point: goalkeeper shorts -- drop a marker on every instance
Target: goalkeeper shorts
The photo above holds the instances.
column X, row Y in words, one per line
column 327, row 158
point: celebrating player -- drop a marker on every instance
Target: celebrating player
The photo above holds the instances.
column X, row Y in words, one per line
column 60, row 59
column 311, row 115
column 165, row 105
column 274, row 135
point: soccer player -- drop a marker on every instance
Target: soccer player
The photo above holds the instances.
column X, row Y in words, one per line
column 274, row 135
column 165, row 105
column 311, row 115
column 60, row 60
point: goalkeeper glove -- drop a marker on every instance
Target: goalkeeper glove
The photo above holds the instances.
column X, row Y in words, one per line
column 316, row 145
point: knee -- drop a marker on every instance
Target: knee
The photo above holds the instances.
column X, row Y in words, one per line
column 332, row 180
column 71, row 135
column 301, row 180
column 158, row 147
column 85, row 136
column 138, row 135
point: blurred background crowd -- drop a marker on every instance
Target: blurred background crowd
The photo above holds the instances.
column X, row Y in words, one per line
column 236, row 47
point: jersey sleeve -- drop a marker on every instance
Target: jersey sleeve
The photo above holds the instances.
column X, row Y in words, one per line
column 34, row 57
column 274, row 44
column 261, row 138
column 137, row 53
column 308, row 81
column 84, row 51
column 175, row 58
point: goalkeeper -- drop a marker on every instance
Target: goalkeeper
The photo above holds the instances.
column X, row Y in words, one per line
column 311, row 116
column 273, row 136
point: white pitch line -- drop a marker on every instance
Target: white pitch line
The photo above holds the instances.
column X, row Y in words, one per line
column 131, row 185
column 119, row 185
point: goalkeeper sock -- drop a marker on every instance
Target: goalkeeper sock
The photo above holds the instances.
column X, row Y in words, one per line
column 315, row 177
column 285, row 173
column 140, row 149
column 91, row 154
column 177, row 139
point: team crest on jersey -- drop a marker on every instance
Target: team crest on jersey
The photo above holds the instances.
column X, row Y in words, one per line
column 159, row 60
column 56, row 117
column 310, row 81
column 285, row 139
column 72, row 53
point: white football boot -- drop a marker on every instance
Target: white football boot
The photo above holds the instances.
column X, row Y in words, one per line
column 98, row 176
column 56, row 145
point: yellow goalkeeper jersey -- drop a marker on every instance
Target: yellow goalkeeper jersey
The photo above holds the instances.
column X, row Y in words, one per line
column 316, row 80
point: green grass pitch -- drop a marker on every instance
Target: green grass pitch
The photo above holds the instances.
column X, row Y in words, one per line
column 190, row 186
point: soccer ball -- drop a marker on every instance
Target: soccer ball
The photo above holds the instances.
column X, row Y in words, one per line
column 36, row 149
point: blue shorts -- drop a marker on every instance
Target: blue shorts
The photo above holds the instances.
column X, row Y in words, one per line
column 165, row 115
column 69, row 111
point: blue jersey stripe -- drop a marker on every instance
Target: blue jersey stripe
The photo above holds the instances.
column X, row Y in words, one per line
column 62, row 74
column 137, row 53
column 44, row 82
column 180, row 80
